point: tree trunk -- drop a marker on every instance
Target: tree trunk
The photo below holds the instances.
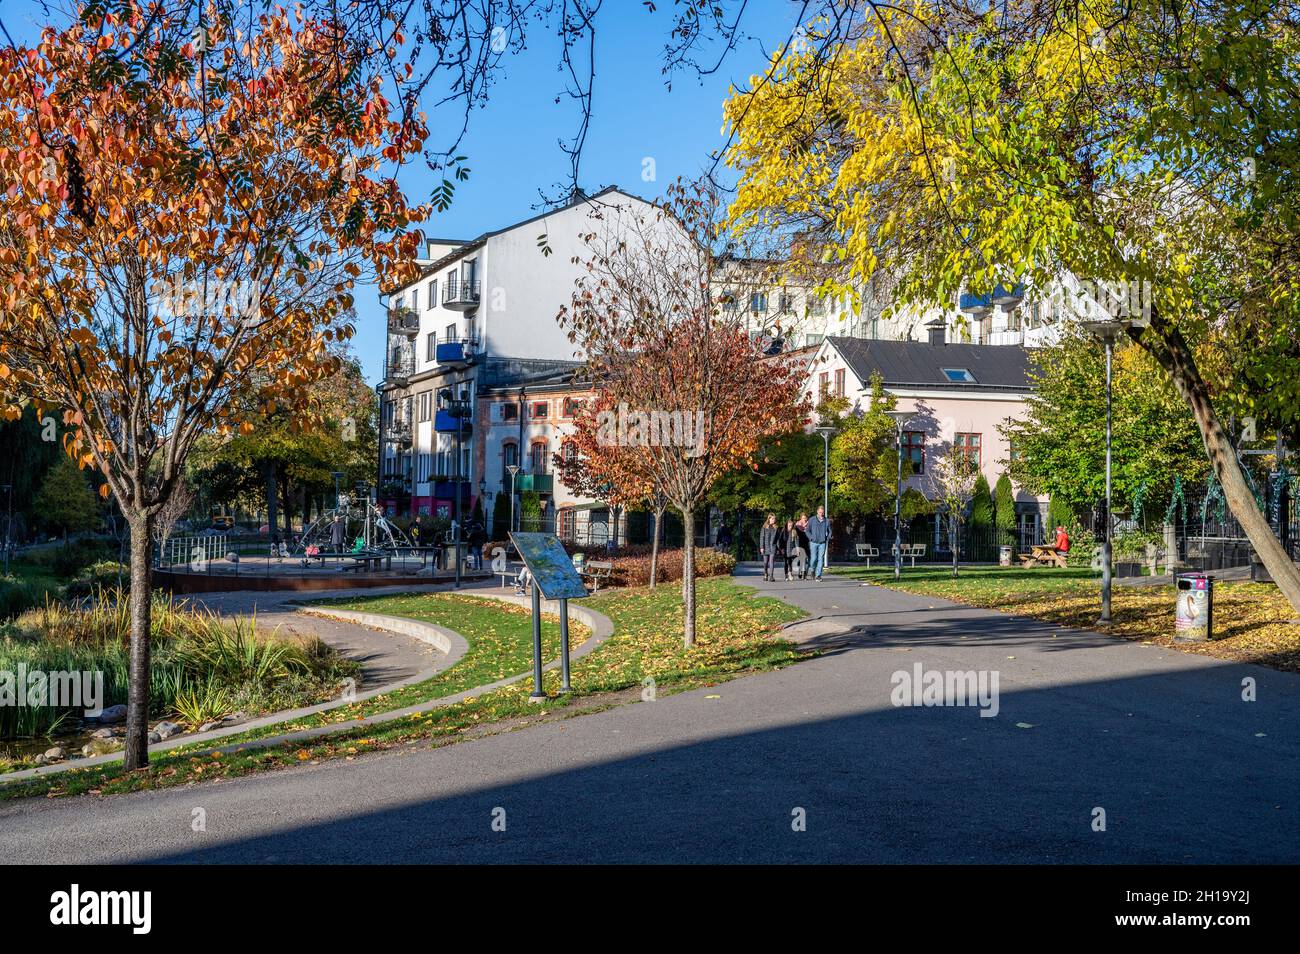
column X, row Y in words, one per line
column 688, row 578
column 1173, row 353
column 271, row 492
column 955, row 541
column 654, row 549
column 137, row 705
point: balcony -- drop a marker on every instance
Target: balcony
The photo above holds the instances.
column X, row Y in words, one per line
column 399, row 432
column 444, row 488
column 457, row 417
column 403, row 321
column 455, row 350
column 400, row 368
column 460, row 294
column 537, row 483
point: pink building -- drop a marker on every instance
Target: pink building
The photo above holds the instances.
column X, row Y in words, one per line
column 958, row 393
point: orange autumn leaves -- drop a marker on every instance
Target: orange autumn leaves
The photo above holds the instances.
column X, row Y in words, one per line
column 218, row 160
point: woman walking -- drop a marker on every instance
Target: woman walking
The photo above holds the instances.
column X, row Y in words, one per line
column 767, row 547
column 789, row 544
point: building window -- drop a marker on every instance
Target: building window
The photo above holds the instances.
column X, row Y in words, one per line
column 415, row 299
column 538, row 410
column 510, row 454
column 509, row 412
column 450, row 333
column 758, row 303
column 968, row 445
column 839, row 382
column 573, row 407
column 433, row 294
column 959, row 376
column 914, row 450
column 426, row 405
column 569, row 452
column 824, row 385
column 430, row 346
column 539, row 457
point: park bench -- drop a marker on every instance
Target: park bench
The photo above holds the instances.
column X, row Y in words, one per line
column 368, row 560
column 867, row 552
column 597, row 572
column 1043, row 555
column 910, row 551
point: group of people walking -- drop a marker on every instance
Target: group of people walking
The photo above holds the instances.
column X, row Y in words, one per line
column 799, row 547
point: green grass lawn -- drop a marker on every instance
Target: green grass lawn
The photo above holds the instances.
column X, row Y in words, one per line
column 977, row 582
column 1251, row 619
column 735, row 636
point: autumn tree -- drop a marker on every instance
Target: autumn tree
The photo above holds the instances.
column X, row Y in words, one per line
column 179, row 227
column 680, row 377
column 1148, row 146
column 620, row 475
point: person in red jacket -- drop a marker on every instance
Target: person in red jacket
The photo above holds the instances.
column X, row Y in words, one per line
column 1062, row 540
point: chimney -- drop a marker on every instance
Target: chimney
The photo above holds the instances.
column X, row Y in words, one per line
column 938, row 331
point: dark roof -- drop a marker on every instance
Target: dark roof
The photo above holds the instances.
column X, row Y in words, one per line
column 920, row 364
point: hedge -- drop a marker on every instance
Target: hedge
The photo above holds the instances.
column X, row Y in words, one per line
column 632, row 563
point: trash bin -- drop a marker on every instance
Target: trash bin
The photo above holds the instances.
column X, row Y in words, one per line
column 1004, row 556
column 1194, row 612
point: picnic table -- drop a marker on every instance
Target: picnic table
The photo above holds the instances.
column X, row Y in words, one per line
column 1042, row 555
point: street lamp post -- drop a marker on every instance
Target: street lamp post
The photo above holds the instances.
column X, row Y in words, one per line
column 826, row 433
column 900, row 418
column 514, row 469
column 1108, row 332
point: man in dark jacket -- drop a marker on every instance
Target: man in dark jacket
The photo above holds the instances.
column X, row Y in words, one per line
column 819, row 535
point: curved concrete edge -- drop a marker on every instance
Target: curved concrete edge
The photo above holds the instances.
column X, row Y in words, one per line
column 448, row 641
column 439, row 637
column 601, row 628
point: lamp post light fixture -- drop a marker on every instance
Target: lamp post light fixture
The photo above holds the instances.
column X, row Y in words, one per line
column 900, row 419
column 826, row 432
column 1108, row 332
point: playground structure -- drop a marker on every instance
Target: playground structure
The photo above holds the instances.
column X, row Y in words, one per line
column 353, row 541
column 364, row 528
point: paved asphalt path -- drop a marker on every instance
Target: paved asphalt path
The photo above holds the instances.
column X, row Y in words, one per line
column 1185, row 770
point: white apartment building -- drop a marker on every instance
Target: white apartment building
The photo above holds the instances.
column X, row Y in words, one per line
column 481, row 315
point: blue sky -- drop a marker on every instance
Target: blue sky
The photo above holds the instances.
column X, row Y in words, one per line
column 512, row 146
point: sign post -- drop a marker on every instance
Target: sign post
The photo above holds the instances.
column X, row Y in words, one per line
column 553, row 577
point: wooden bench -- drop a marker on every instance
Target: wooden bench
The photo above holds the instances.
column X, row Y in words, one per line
column 597, row 572
column 1043, row 555
column 910, row 551
column 867, row 552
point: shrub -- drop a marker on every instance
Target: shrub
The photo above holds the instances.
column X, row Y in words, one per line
column 1004, row 506
column 17, row 596
column 634, row 570
column 106, row 574
column 69, row 560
